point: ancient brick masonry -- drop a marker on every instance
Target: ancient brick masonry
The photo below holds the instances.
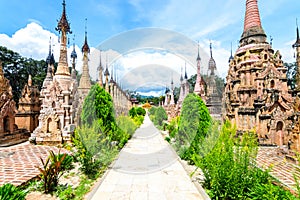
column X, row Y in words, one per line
column 256, row 93
column 213, row 95
column 9, row 132
column 295, row 140
column 29, row 107
column 58, row 96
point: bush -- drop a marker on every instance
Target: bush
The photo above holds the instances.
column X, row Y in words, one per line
column 140, row 111
column 229, row 171
column 268, row 191
column 94, row 149
column 158, row 116
column 98, row 105
column 138, row 120
column 132, row 112
column 11, row 192
column 173, row 127
column 194, row 123
column 126, row 124
column 152, row 111
column 53, row 168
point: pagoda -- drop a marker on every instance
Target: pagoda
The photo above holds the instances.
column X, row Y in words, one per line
column 213, row 94
column 256, row 92
column 29, row 107
column 199, row 88
column 56, row 119
column 9, row 132
column 295, row 138
column 85, row 82
column 184, row 89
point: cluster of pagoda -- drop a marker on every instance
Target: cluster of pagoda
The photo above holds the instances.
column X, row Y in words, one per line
column 51, row 115
column 256, row 95
column 206, row 89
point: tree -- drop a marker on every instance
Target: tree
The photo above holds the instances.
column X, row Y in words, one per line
column 291, row 74
column 98, row 105
column 194, row 124
column 16, row 67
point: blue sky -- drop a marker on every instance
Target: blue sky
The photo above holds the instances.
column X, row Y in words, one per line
column 218, row 21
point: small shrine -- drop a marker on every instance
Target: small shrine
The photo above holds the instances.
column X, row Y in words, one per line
column 29, row 107
column 9, row 132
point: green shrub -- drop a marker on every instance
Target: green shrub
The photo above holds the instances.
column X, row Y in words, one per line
column 168, row 139
column 138, row 120
column 159, row 116
column 173, row 127
column 267, row 191
column 140, row 111
column 152, row 111
column 132, row 112
column 11, row 192
column 53, row 168
column 65, row 193
column 228, row 167
column 126, row 124
column 98, row 105
column 94, row 149
column 194, row 123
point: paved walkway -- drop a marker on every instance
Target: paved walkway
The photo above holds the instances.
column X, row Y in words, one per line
column 147, row 168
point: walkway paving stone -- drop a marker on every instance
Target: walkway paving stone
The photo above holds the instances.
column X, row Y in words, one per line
column 18, row 163
column 147, row 168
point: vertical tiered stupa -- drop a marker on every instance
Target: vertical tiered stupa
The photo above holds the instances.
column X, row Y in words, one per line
column 57, row 115
column 256, row 93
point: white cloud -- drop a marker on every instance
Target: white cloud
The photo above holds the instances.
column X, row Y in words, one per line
column 33, row 41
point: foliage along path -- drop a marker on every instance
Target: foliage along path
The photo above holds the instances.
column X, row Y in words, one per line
column 147, row 168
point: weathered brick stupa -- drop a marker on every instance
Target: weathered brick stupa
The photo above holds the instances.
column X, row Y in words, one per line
column 58, row 112
column 9, row 132
column 295, row 138
column 84, row 83
column 29, row 107
column 256, row 93
column 199, row 88
column 213, row 97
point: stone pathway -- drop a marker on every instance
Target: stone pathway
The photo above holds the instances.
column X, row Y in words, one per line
column 147, row 168
column 282, row 169
column 18, row 163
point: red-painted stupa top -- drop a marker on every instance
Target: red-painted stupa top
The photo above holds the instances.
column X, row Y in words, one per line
column 252, row 18
column 253, row 31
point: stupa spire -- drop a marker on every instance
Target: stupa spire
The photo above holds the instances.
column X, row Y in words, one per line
column 297, row 48
column 181, row 77
column 253, row 31
column 212, row 63
column 63, row 27
column 198, row 57
column 100, row 74
column 185, row 73
column 106, row 74
column 231, row 56
column 85, row 77
column 73, row 57
column 85, row 47
column 297, row 43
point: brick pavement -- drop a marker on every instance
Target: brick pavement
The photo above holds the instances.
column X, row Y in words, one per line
column 18, row 163
column 281, row 168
